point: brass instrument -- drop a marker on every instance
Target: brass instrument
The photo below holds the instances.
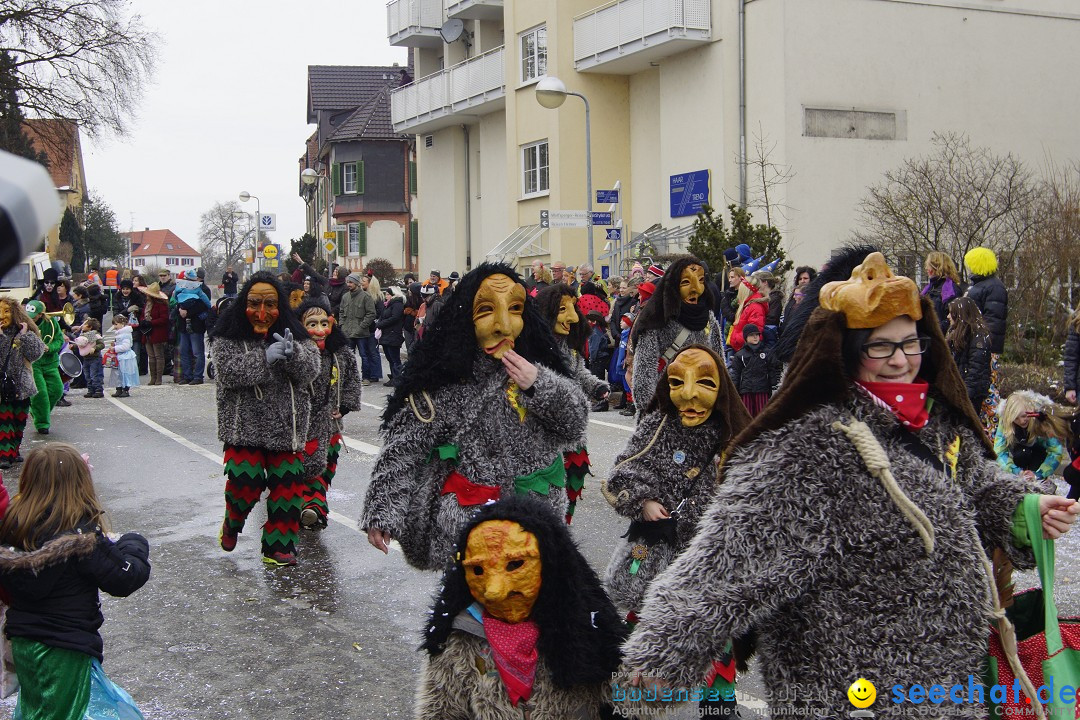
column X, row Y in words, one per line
column 66, row 313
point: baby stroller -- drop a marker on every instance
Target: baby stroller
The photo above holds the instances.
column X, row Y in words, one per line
column 221, row 306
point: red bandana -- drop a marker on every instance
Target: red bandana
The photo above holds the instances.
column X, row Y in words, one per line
column 513, row 646
column 906, row 400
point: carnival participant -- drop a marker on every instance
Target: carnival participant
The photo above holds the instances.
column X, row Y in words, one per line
column 20, row 346
column 485, row 408
column 679, row 314
column 521, row 627
column 666, row 476
column 849, row 529
column 335, row 393
column 558, row 304
column 264, row 364
column 50, row 387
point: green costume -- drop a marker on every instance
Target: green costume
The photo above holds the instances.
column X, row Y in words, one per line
column 47, row 367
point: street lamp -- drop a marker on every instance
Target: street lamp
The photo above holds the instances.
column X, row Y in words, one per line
column 551, row 92
column 244, row 197
column 309, row 177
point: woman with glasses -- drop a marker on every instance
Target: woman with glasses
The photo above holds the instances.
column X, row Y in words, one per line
column 849, row 535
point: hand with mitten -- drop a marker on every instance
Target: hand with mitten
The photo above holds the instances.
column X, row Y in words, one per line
column 281, row 348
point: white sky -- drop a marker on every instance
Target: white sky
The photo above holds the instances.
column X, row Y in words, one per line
column 227, row 108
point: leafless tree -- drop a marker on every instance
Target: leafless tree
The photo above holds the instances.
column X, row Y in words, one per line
column 957, row 198
column 82, row 60
column 764, row 180
column 224, row 234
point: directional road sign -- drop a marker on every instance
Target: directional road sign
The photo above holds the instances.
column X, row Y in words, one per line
column 601, row 218
column 564, row 218
column 607, row 197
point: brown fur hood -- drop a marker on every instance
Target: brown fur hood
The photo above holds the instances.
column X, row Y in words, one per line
column 60, row 549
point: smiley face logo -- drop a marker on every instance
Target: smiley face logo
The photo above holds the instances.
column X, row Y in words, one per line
column 862, row 693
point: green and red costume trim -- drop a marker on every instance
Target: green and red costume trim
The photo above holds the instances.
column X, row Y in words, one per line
column 249, row 471
column 12, row 424
column 469, row 493
column 317, row 486
column 576, row 464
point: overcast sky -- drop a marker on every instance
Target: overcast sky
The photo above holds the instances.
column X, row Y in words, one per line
column 227, row 108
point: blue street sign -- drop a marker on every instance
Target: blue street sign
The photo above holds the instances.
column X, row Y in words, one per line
column 604, row 197
column 689, row 192
column 601, row 218
column 614, row 234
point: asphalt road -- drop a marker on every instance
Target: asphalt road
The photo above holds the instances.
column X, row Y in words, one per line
column 221, row 635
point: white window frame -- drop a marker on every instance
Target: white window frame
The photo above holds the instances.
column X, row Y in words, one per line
column 541, row 172
column 346, row 189
column 537, row 56
column 140, row 262
column 354, row 239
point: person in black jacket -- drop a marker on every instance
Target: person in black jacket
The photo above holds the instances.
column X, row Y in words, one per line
column 391, row 323
column 969, row 341
column 992, row 299
column 1072, row 358
column 755, row 371
column 55, row 555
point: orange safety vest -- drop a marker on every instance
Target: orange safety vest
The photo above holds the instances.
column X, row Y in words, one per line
column 110, row 278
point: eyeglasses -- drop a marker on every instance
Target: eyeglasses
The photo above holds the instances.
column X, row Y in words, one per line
column 883, row 349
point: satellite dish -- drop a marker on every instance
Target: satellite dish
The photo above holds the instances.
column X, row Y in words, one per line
column 452, row 30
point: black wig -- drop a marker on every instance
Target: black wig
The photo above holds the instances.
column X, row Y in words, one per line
column 234, row 323
column 548, row 302
column 580, row 630
column 728, row 410
column 446, row 353
column 336, row 339
column 666, row 301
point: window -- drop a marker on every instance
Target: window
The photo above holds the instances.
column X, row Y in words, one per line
column 347, row 178
column 533, row 54
column 168, row 246
column 140, row 262
column 534, row 162
column 357, row 238
column 349, row 170
column 188, row 261
column 172, row 261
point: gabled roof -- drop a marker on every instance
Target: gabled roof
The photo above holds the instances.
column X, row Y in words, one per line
column 341, row 87
column 157, row 242
column 369, row 122
column 59, row 140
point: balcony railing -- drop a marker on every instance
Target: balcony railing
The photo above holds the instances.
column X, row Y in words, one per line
column 475, row 9
column 473, row 87
column 626, row 35
column 414, row 23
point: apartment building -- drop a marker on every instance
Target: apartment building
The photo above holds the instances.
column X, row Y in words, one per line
column 680, row 92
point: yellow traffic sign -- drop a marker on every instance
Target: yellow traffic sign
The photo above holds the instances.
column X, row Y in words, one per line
column 330, row 246
column 329, row 235
column 270, row 252
column 270, row 263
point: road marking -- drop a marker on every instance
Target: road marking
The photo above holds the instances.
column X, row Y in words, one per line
column 612, row 425
column 217, row 459
column 366, row 448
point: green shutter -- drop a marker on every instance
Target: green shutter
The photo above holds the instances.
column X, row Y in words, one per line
column 335, row 178
column 342, row 240
column 412, row 178
column 414, row 238
column 363, row 238
column 359, row 177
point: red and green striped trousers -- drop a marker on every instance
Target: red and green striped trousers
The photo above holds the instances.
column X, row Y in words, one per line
column 318, row 485
column 12, row 423
column 249, row 471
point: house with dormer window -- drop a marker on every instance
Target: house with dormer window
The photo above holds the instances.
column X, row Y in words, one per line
column 161, row 249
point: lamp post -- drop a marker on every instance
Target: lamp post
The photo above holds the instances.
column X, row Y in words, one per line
column 244, row 197
column 309, row 177
column 551, row 92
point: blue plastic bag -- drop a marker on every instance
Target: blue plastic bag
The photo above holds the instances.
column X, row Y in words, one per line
column 109, row 701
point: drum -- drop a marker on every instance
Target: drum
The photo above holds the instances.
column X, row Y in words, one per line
column 70, row 365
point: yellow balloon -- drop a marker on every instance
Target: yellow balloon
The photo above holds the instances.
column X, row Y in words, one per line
column 862, row 693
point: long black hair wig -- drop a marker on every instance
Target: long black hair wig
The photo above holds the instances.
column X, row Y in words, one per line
column 446, row 353
column 549, row 301
column 234, row 323
column 580, row 630
column 336, row 339
column 666, row 301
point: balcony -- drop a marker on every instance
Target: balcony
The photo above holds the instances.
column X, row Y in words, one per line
column 452, row 96
column 414, row 23
column 624, row 36
column 475, row 9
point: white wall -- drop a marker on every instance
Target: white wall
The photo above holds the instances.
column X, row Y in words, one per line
column 386, row 239
column 491, row 188
column 440, row 209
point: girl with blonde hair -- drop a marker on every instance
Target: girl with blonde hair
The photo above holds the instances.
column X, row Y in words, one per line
column 1030, row 438
column 753, row 308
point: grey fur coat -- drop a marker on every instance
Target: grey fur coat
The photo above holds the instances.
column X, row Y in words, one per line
column 263, row 405
column 804, row 546
column 463, row 683
column 652, row 343
column 494, row 447
column 30, row 347
column 329, row 394
column 669, row 463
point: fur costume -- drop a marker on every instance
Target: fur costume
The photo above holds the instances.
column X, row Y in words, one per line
column 572, row 345
column 675, row 466
column 805, row 548
column 658, row 326
column 17, row 353
column 456, row 421
column 336, row 387
column 263, row 413
column 578, row 643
